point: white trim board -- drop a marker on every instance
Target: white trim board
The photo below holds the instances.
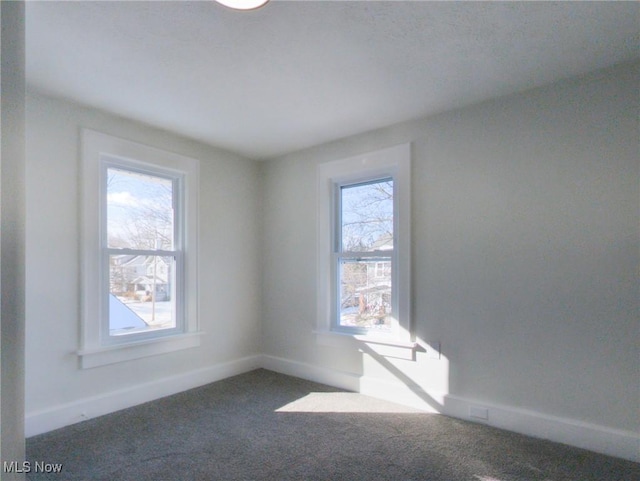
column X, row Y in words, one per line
column 86, row 408
column 613, row 442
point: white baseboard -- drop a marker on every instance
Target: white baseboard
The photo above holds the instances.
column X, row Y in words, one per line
column 389, row 391
column 343, row 380
column 86, row 408
column 619, row 443
column 600, row 439
column 614, row 442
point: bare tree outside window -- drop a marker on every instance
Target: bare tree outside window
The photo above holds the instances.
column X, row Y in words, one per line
column 139, row 210
column 367, row 215
column 140, row 222
column 366, row 248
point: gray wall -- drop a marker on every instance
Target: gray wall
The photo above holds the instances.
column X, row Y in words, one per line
column 525, row 253
column 12, row 242
column 525, row 256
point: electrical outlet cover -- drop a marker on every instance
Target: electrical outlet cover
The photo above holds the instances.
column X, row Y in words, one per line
column 478, row 412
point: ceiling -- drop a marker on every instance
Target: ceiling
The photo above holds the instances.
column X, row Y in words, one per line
column 295, row 74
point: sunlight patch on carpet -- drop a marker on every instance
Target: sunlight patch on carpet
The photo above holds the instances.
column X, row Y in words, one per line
column 343, row 402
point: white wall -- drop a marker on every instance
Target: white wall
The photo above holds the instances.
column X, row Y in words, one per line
column 525, row 263
column 58, row 392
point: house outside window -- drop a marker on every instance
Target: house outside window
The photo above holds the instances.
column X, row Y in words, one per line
column 143, row 249
column 364, row 246
column 139, row 251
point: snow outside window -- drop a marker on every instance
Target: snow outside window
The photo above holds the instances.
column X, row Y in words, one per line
column 364, row 246
column 139, row 251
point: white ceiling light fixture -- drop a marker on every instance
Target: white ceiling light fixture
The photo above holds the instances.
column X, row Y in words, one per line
column 243, row 4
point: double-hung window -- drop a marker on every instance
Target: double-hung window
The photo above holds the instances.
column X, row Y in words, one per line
column 139, row 251
column 364, row 246
column 365, row 299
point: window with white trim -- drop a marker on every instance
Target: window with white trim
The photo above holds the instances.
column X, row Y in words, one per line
column 139, row 250
column 364, row 246
column 142, row 252
column 364, row 234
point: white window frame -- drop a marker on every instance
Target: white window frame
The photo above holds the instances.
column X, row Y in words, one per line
column 379, row 269
column 177, row 180
column 395, row 163
column 99, row 152
column 339, row 255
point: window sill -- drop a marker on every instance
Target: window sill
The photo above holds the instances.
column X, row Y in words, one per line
column 104, row 355
column 374, row 345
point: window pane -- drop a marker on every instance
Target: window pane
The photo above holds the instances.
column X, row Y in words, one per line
column 365, row 293
column 139, row 210
column 141, row 294
column 367, row 216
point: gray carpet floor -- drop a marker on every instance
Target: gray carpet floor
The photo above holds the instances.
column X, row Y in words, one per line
column 267, row 426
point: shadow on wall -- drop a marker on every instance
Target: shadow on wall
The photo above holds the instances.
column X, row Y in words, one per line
column 411, row 391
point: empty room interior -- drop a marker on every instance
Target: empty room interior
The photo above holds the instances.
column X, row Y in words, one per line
column 434, row 204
